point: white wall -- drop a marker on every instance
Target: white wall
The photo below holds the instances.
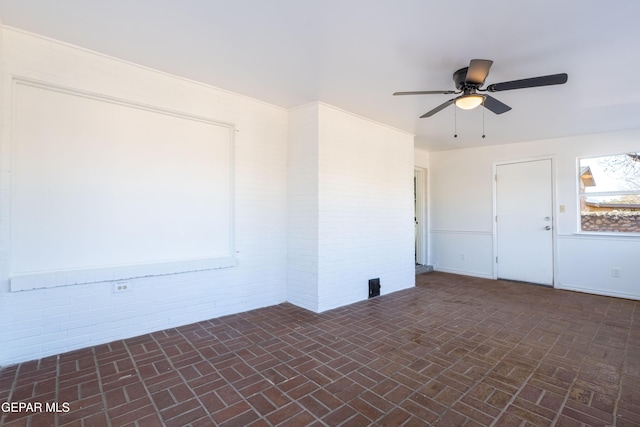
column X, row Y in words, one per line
column 350, row 207
column 461, row 213
column 42, row 322
column 421, row 158
column 303, row 211
column 366, row 208
column 105, row 217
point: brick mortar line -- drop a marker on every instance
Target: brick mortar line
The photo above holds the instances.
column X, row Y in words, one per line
column 573, row 382
column 394, row 406
column 56, row 418
column 438, row 348
column 142, row 381
column 491, row 314
column 96, row 364
column 341, row 376
column 197, row 349
column 526, row 381
column 294, row 330
column 624, row 362
column 270, row 334
column 450, row 407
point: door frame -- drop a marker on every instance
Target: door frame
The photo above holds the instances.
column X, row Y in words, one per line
column 420, row 188
column 554, row 216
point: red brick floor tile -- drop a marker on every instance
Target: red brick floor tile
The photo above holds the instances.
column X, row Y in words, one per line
column 132, row 410
column 428, row 403
column 257, row 423
column 551, row 401
column 313, row 406
column 144, row 412
column 230, row 412
column 276, row 396
column 261, row 404
column 395, row 417
column 151, row 420
column 453, row 350
column 536, row 409
column 242, row 419
column 340, row 416
column 302, row 390
column 284, row 413
column 451, row 418
column 82, row 408
column 163, row 399
column 255, row 385
column 479, row 405
column 417, row 410
column 508, row 420
column 228, row 395
column 528, row 416
column 384, row 386
column 417, row 421
column 300, row 419
column 211, row 402
column 564, row 421
column 589, row 411
column 367, row 409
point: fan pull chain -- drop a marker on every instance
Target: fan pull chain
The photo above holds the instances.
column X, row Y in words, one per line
column 455, row 121
column 483, row 117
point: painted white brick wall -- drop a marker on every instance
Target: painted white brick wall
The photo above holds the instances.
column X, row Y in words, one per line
column 42, row 322
column 350, row 207
column 302, row 266
column 366, row 226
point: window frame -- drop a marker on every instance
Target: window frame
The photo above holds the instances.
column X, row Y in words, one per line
column 583, row 195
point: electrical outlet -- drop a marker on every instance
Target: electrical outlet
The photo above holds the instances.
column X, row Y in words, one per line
column 123, row 286
column 563, row 209
column 615, row 272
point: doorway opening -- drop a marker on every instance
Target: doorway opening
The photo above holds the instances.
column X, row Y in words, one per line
column 420, row 222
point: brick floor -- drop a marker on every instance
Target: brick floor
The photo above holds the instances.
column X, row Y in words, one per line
column 452, row 351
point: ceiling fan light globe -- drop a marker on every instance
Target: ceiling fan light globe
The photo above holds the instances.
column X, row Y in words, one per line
column 469, row 102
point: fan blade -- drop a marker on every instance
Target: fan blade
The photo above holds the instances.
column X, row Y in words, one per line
column 553, row 79
column 426, row 92
column 492, row 104
column 478, row 71
column 438, row 108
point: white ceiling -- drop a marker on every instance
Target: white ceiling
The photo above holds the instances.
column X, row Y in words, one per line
column 354, row 54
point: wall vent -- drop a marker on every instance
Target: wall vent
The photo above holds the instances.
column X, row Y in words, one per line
column 374, row 287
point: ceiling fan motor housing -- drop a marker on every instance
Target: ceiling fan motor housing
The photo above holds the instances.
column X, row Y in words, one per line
column 460, row 77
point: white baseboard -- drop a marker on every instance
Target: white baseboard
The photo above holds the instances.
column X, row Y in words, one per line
column 464, row 272
column 606, row 293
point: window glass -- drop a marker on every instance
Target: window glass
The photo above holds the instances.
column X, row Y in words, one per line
column 610, row 193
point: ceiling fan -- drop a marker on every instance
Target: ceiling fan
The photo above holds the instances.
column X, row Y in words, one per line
column 469, row 80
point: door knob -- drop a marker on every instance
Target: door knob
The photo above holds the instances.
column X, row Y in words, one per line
column 547, row 228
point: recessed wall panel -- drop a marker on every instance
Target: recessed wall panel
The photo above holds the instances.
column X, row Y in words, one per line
column 104, row 189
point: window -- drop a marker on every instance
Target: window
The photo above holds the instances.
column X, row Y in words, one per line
column 610, row 193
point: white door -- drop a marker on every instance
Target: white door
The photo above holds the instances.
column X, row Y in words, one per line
column 524, row 209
